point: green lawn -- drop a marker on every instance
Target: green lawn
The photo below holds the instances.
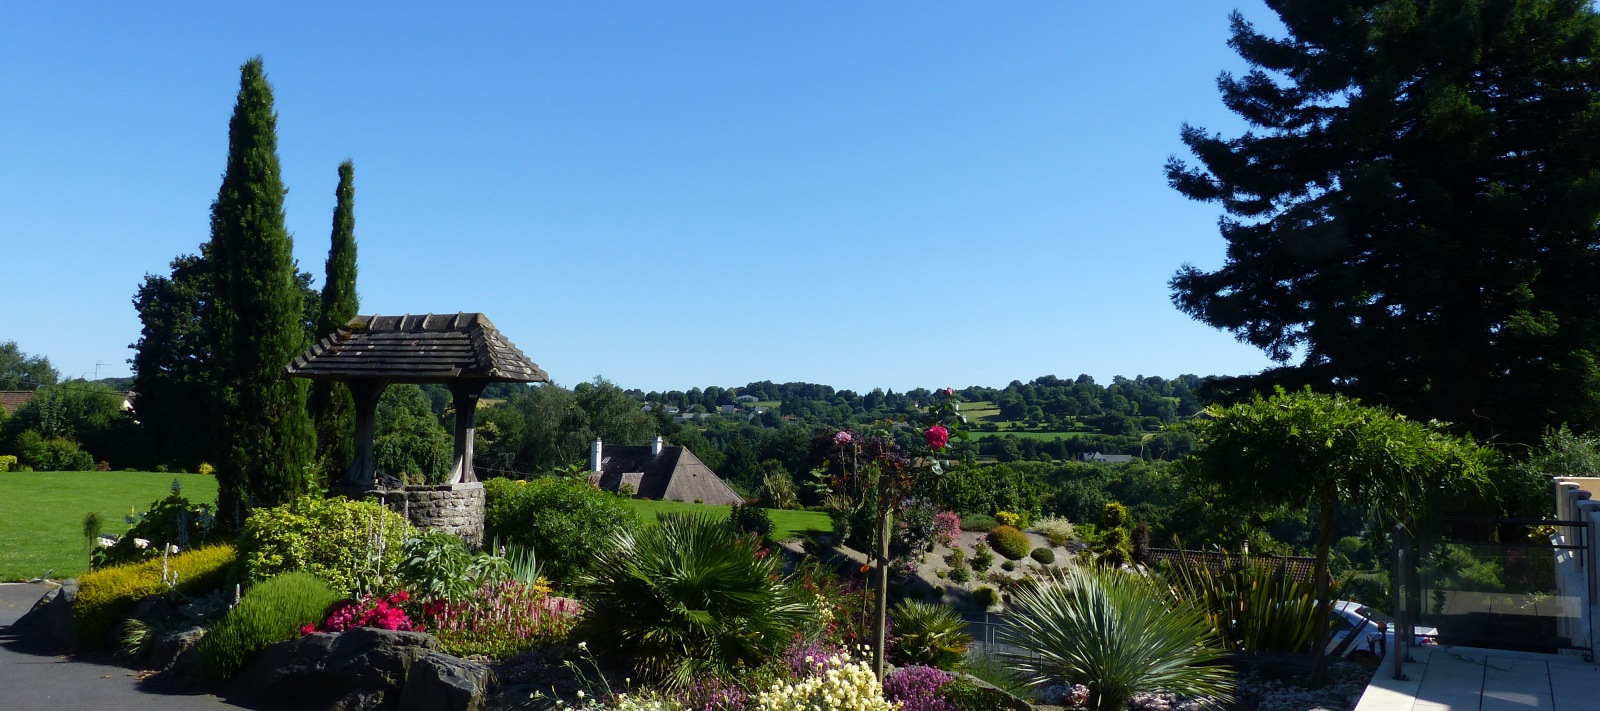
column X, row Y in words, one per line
column 785, row 524
column 1029, row 435
column 41, row 514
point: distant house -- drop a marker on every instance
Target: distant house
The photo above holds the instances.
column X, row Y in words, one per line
column 13, row 400
column 748, row 398
column 1113, row 458
column 729, row 409
column 657, row 472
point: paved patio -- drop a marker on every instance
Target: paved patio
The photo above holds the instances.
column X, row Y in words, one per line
column 1469, row 679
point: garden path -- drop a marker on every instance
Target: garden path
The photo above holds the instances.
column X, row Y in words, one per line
column 33, row 680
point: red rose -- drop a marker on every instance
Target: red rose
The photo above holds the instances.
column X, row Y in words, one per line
column 937, row 436
column 949, row 392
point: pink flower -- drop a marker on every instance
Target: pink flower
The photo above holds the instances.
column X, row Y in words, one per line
column 308, row 629
column 842, row 438
column 937, row 436
column 949, row 392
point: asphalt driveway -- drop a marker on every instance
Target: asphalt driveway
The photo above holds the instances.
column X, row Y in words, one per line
column 32, row 680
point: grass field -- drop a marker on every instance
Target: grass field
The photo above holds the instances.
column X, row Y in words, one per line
column 785, row 524
column 1028, row 435
column 41, row 514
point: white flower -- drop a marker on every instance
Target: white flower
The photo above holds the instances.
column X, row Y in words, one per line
column 140, row 543
column 103, row 542
column 172, row 548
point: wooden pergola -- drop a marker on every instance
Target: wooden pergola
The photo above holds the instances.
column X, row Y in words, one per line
column 463, row 351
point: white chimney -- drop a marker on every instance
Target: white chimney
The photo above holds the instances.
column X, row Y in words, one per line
column 594, row 455
column 655, row 448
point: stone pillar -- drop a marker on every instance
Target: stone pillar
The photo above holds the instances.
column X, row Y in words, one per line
column 465, row 396
column 362, row 473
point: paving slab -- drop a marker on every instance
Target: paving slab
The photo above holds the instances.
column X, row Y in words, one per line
column 30, row 680
column 1467, row 679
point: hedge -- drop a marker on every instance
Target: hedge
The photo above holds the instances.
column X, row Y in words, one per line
column 107, row 595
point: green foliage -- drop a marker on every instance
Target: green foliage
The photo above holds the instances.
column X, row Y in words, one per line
column 1380, row 276
column 1117, row 633
column 172, row 520
column 1008, row 566
column 982, row 557
column 1043, row 555
column 171, row 365
column 8, row 462
column 408, row 442
column 777, row 490
column 686, row 597
column 1057, row 530
column 977, row 522
column 438, row 566
column 107, row 595
column 20, row 371
column 331, row 406
column 256, row 316
column 751, row 519
column 352, row 546
column 960, row 574
column 929, row 634
column 270, row 612
column 545, row 427
column 1253, row 604
column 986, row 597
column 56, row 454
column 1010, row 542
column 987, row 488
column 567, row 523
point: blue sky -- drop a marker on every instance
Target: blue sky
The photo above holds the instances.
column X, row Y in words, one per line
column 666, row 195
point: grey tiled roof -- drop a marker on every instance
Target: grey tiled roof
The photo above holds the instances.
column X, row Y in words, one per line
column 430, row 348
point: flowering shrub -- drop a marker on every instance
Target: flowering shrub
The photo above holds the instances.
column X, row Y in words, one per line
column 843, row 685
column 351, row 545
column 385, row 613
column 946, row 526
column 1006, row 518
column 918, row 688
column 501, row 620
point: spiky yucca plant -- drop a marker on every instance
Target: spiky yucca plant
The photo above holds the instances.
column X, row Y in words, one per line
column 687, row 597
column 929, row 634
column 1253, row 604
column 1117, row 633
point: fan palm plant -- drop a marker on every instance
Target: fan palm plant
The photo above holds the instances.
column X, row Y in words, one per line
column 688, row 597
column 930, row 634
column 1116, row 633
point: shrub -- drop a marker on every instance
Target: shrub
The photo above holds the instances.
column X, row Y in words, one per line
column 1045, row 556
column 960, row 575
column 977, row 522
column 1116, row 633
column 918, row 688
column 1253, row 604
column 501, row 620
column 957, row 558
column 8, row 462
column 385, row 613
column 982, row 558
column 928, row 633
column 566, row 522
column 437, row 566
column 1006, row 518
column 107, row 595
column 173, row 521
column 751, row 519
column 353, row 546
column 1010, row 542
column 689, row 596
column 986, row 597
column 1008, row 566
column 274, row 611
column 843, row 685
column 1058, row 530
column 946, row 527
column 207, row 469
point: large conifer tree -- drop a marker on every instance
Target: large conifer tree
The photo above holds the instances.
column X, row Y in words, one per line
column 265, row 441
column 1413, row 214
column 332, row 409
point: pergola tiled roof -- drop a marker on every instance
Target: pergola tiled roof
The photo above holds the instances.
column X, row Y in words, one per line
column 430, row 348
column 462, row 350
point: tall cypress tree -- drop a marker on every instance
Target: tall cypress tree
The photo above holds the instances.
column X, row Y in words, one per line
column 265, row 442
column 332, row 408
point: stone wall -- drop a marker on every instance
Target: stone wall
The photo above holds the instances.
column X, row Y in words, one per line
column 451, row 508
